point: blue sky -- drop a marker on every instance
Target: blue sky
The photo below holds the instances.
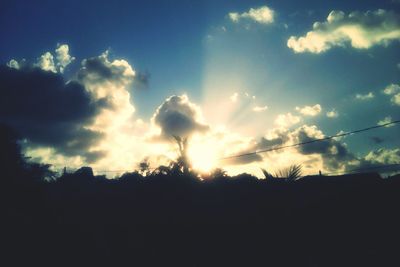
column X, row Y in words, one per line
column 196, row 48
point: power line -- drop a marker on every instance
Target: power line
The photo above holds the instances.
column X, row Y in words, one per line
column 312, row 141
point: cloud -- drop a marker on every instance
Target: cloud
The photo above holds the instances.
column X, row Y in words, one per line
column 260, row 109
column 335, row 155
column 332, row 114
column 394, row 90
column 100, row 70
column 384, row 156
column 386, row 120
column 365, row 97
column 360, row 30
column 378, row 160
column 262, row 15
column 178, row 116
column 391, row 89
column 63, row 57
column 275, row 137
column 246, row 159
column 47, row 111
column 287, row 120
column 234, row 97
column 46, row 62
column 310, row 110
column 13, row 64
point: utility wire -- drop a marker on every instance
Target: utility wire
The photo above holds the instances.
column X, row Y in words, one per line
column 312, row 141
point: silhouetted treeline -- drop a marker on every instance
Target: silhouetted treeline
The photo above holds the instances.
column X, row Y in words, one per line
column 171, row 218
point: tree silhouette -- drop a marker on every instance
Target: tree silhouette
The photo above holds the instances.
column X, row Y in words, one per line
column 182, row 162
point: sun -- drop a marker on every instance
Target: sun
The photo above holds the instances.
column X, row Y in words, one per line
column 203, row 154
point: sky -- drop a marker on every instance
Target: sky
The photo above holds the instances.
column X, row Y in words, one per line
column 108, row 84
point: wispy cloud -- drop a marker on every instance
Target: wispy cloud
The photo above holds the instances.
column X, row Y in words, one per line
column 364, row 97
column 234, row 97
column 260, row 108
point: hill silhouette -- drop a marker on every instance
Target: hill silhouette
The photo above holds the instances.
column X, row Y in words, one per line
column 169, row 217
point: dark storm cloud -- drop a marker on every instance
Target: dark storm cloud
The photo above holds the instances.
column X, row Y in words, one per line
column 44, row 109
column 177, row 116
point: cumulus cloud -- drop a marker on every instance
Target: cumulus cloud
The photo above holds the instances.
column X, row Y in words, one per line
column 273, row 138
column 335, row 155
column 364, row 97
column 46, row 62
column 47, row 111
column 360, row 30
column 310, row 110
column 260, row 108
column 63, row 57
column 287, row 120
column 178, row 116
column 382, row 160
column 394, row 91
column 100, row 70
column 385, row 156
column 262, row 15
column 88, row 120
column 332, row 114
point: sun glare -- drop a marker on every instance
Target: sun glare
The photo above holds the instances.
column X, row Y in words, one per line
column 203, row 154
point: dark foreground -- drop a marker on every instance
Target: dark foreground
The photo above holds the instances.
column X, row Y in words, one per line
column 164, row 220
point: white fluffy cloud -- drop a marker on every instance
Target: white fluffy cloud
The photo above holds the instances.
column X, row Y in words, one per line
column 360, row 30
column 310, row 110
column 287, row 120
column 332, row 114
column 63, row 57
column 394, row 91
column 364, row 97
column 262, row 15
column 46, row 62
